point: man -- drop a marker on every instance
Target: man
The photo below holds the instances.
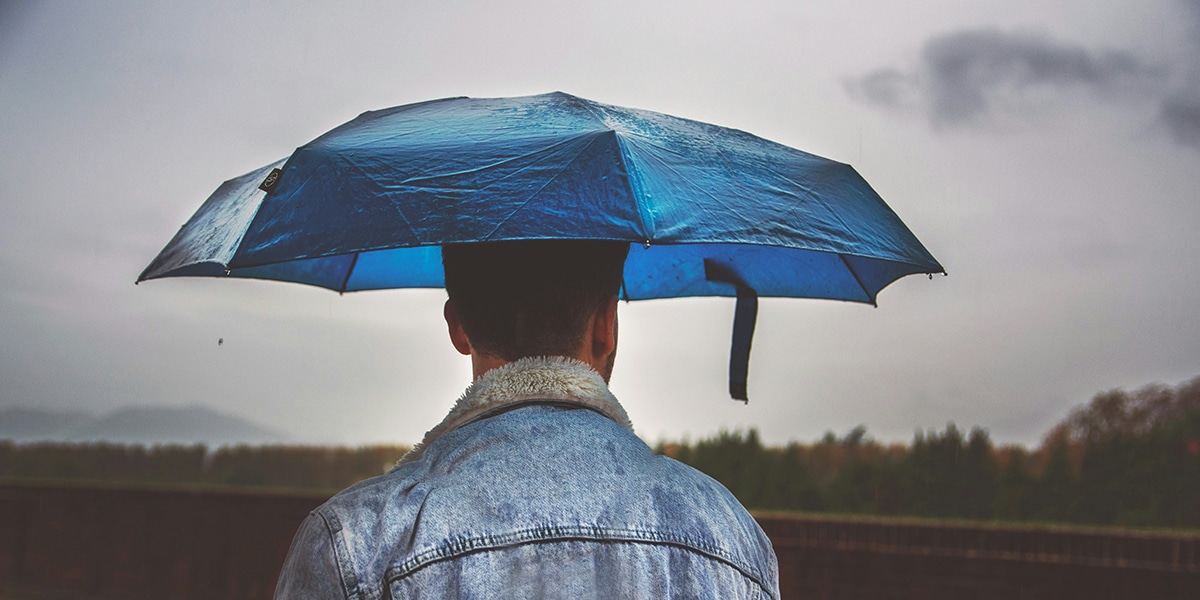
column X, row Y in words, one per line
column 534, row 486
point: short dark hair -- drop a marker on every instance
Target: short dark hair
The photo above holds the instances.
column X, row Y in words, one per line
column 531, row 298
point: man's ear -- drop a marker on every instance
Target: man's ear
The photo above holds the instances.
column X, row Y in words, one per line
column 604, row 329
column 458, row 336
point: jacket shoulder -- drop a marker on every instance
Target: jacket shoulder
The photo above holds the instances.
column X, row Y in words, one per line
column 535, row 476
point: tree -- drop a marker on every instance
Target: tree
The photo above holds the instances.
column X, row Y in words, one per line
column 951, row 477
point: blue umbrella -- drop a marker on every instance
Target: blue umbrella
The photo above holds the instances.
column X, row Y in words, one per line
column 708, row 211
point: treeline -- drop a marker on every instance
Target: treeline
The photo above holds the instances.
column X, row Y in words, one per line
column 298, row 467
column 1129, row 459
column 1126, row 458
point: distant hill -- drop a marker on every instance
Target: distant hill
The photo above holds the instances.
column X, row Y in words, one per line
column 28, row 424
column 135, row 425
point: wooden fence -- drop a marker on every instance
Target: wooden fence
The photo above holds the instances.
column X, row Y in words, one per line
column 102, row 542
column 876, row 558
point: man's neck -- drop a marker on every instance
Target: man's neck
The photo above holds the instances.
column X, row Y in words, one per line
column 482, row 363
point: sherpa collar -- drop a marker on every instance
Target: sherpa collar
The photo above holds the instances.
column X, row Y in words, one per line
column 555, row 379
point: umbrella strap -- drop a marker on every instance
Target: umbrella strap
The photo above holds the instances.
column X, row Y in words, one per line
column 745, row 315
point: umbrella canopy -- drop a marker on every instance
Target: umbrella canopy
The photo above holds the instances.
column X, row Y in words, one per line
column 709, row 211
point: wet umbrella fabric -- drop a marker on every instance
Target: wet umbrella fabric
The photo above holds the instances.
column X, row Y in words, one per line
column 708, row 211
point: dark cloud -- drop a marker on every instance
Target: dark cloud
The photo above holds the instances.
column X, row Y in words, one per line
column 1194, row 7
column 1180, row 116
column 967, row 76
column 966, row 71
column 12, row 16
column 887, row 87
column 1179, row 112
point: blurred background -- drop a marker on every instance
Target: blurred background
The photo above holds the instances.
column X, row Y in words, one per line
column 1046, row 155
column 166, row 439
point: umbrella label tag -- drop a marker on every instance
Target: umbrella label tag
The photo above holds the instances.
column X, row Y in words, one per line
column 271, row 181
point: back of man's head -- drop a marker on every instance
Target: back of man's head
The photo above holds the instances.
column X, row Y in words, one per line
column 531, row 298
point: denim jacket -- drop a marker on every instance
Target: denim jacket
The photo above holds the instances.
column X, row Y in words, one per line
column 533, row 487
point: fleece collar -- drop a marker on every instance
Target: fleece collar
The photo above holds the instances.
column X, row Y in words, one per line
column 552, row 379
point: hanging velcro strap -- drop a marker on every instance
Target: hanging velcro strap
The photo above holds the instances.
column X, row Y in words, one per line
column 744, row 316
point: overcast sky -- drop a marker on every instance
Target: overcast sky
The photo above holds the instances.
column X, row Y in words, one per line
column 1048, row 154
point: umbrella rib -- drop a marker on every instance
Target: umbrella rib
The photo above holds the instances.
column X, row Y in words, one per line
column 816, row 198
column 349, row 271
column 633, row 182
column 649, row 141
column 722, row 201
column 534, row 194
column 404, row 218
column 591, row 109
column 858, row 280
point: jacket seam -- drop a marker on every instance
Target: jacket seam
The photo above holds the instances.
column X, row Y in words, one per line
column 341, row 555
column 549, row 534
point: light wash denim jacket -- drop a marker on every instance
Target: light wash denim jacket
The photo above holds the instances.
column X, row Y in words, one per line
column 533, row 487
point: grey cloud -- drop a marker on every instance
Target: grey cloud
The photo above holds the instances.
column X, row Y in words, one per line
column 1194, row 7
column 1180, row 115
column 967, row 70
column 967, row 76
column 1179, row 112
column 886, row 87
column 12, row 17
